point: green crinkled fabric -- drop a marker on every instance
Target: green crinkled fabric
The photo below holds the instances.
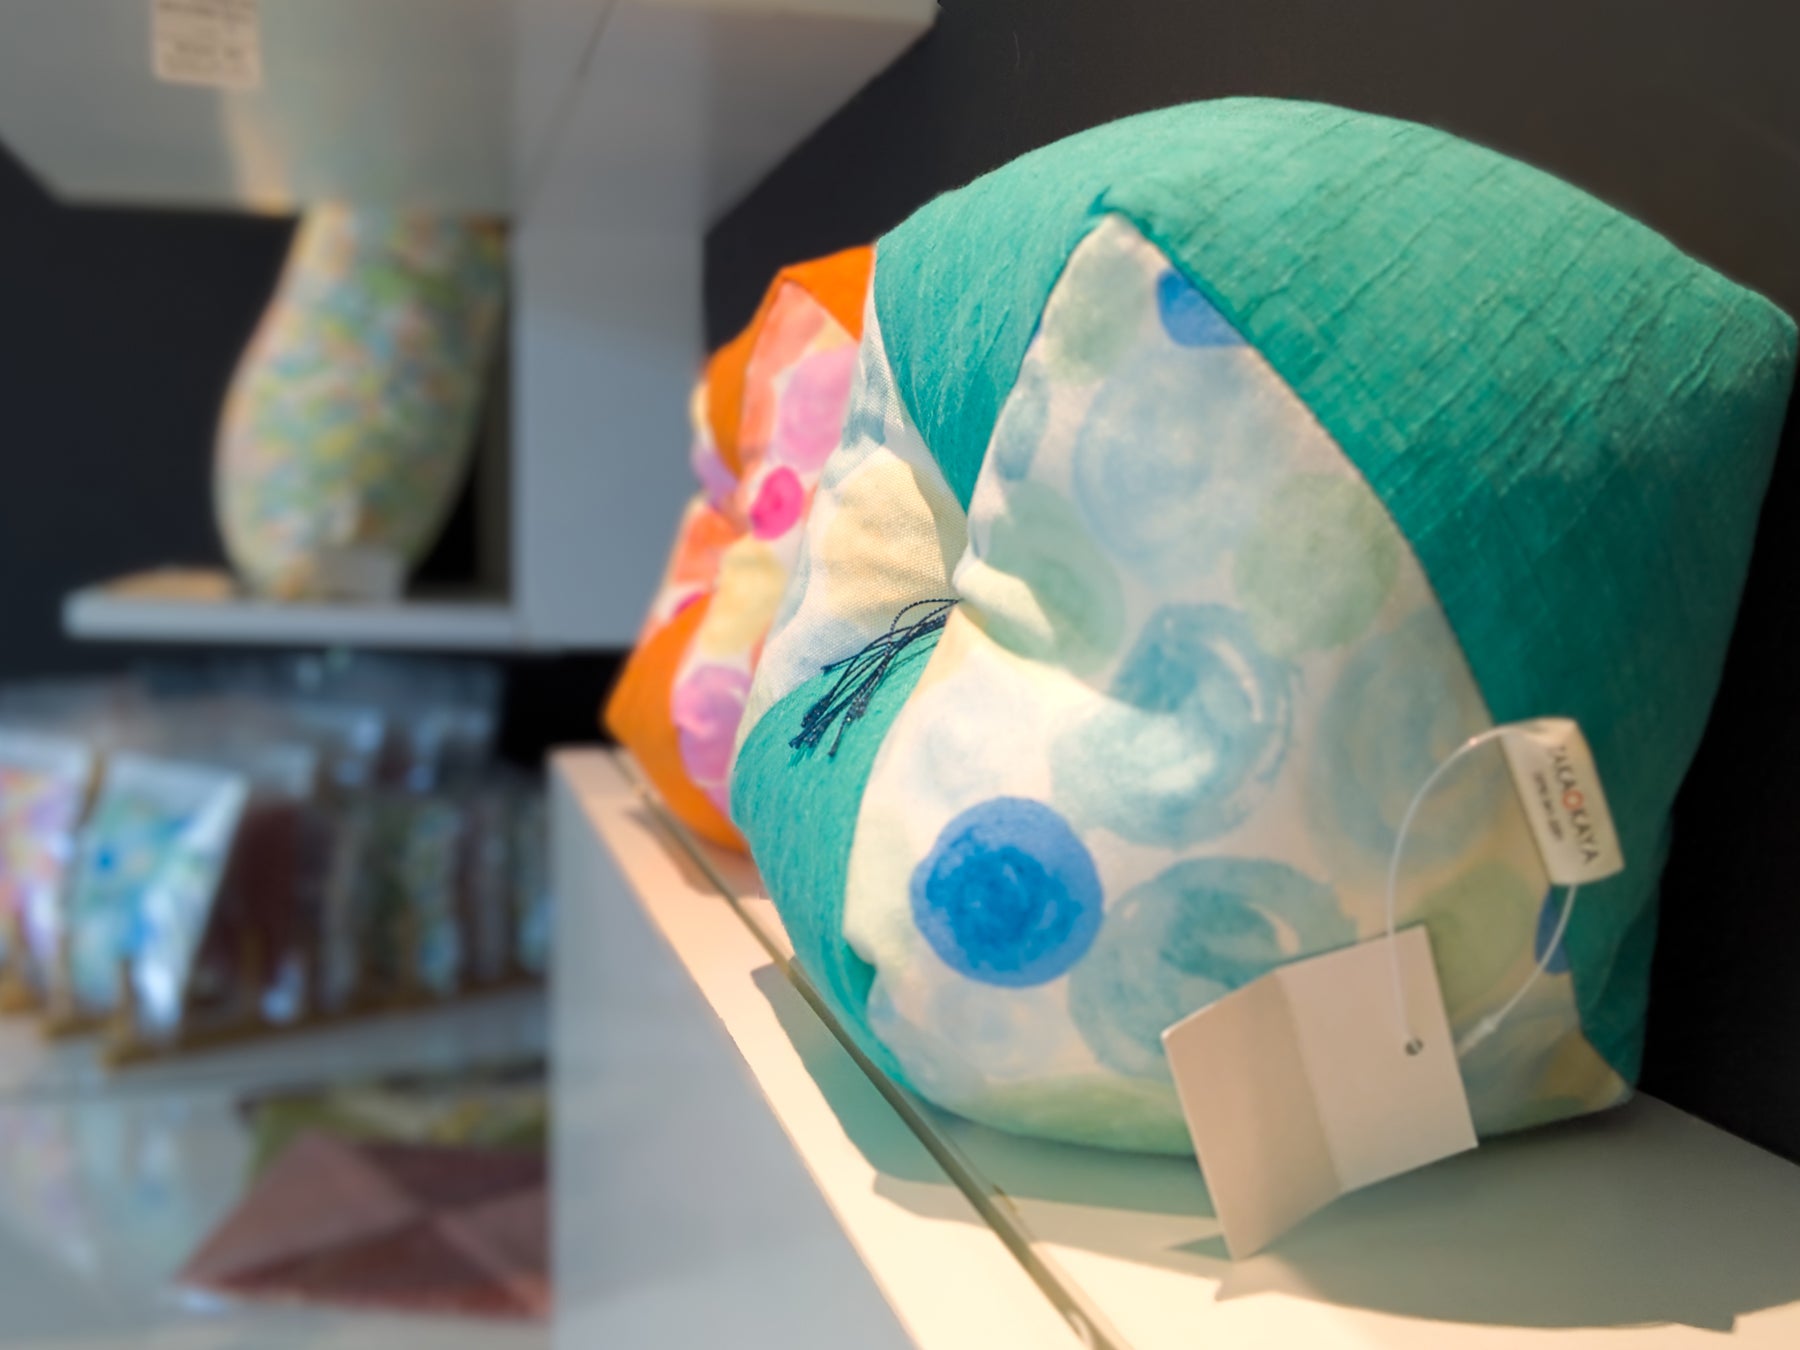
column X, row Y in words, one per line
column 799, row 808
column 1572, row 422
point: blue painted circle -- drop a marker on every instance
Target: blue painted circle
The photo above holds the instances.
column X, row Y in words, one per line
column 1548, row 916
column 1188, row 317
column 1008, row 895
column 1023, row 422
column 1192, row 738
column 1188, row 936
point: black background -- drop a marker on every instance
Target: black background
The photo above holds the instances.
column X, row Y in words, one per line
column 118, row 331
column 1685, row 114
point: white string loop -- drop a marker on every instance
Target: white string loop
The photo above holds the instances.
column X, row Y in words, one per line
column 1488, row 1025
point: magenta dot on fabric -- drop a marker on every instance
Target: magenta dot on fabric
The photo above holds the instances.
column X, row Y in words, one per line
column 812, row 409
column 706, row 706
column 779, row 501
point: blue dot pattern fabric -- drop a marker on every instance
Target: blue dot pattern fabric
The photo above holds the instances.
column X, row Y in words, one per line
column 1200, row 660
column 1008, row 895
column 1188, row 317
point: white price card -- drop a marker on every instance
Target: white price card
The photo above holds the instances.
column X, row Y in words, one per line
column 213, row 43
column 1302, row 1086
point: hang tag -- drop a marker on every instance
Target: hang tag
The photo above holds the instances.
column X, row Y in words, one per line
column 215, row 43
column 1559, row 786
column 1299, row 1088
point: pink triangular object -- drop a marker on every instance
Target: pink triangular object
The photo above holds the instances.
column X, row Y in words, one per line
column 452, row 1176
column 320, row 1194
column 509, row 1238
column 414, row 1269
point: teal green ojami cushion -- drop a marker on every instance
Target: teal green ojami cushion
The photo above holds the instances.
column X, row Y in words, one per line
column 1267, row 452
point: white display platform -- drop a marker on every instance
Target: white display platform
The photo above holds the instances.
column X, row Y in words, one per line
column 1636, row 1230
column 694, row 1093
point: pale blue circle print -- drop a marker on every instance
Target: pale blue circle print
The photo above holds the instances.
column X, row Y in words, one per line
column 870, row 409
column 1188, row 317
column 1008, row 895
column 1184, row 938
column 1192, row 737
column 1076, row 614
column 1022, row 424
column 1402, row 705
column 1175, row 453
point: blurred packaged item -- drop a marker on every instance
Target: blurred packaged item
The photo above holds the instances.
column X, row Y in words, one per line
column 427, row 892
column 350, row 423
column 419, row 916
column 80, row 706
column 532, row 911
column 271, row 842
column 44, row 784
column 342, row 937
column 53, row 734
column 248, row 955
column 487, row 881
column 159, row 840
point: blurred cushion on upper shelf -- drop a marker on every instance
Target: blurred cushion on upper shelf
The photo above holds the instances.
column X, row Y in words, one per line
column 350, row 423
column 766, row 415
column 1209, row 477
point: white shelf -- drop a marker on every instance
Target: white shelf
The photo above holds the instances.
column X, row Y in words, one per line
column 683, row 108
column 449, row 104
column 1636, row 1230
column 100, row 613
column 714, row 1142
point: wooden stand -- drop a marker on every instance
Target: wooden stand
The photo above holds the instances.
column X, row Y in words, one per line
column 125, row 1046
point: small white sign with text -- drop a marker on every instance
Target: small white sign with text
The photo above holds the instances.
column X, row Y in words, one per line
column 1559, row 787
column 213, row 43
column 1302, row 1085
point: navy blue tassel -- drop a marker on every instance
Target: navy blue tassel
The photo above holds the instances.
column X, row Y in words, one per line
column 862, row 672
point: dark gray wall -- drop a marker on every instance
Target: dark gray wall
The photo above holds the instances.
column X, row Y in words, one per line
column 118, row 331
column 1685, row 113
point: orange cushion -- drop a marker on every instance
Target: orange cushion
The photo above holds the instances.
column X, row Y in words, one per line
column 766, row 415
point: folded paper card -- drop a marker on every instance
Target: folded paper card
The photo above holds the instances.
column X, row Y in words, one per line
column 1208, row 478
column 1300, row 1087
